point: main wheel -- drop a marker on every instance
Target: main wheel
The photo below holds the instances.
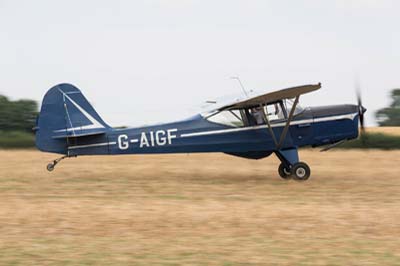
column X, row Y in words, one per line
column 284, row 172
column 301, row 172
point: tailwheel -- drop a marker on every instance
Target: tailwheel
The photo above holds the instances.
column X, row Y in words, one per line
column 50, row 167
column 301, row 171
column 284, row 172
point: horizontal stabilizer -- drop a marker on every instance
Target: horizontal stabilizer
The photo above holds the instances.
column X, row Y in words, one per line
column 77, row 133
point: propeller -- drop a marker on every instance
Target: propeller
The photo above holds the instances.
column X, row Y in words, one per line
column 361, row 112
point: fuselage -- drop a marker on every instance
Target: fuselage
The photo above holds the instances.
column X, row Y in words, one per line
column 314, row 127
column 252, row 128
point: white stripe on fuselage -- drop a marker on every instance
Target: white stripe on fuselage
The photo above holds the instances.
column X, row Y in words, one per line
column 92, row 145
column 299, row 122
column 223, row 131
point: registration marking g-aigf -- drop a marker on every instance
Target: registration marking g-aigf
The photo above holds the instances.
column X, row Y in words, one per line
column 149, row 139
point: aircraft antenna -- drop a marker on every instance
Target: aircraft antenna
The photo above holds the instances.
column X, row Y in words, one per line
column 241, row 85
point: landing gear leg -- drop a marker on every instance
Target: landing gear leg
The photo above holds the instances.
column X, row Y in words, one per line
column 50, row 167
column 290, row 166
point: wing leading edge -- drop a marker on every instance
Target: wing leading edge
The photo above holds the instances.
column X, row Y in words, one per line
column 272, row 97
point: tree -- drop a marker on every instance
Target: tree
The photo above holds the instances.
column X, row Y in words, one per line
column 390, row 116
column 17, row 115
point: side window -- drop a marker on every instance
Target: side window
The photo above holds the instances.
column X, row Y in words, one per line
column 229, row 118
column 274, row 112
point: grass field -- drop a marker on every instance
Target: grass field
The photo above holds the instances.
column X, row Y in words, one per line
column 199, row 210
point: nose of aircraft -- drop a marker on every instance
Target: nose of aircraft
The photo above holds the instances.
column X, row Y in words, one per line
column 334, row 110
column 335, row 123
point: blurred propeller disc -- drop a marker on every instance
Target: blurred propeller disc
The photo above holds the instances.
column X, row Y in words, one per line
column 361, row 112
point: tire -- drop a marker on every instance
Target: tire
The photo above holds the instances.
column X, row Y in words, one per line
column 50, row 167
column 301, row 172
column 284, row 172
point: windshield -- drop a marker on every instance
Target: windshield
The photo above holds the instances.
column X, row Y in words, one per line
column 228, row 117
column 289, row 104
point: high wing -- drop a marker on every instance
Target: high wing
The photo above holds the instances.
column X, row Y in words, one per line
column 272, row 97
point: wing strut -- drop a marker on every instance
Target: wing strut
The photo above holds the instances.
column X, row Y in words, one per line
column 265, row 116
column 286, row 129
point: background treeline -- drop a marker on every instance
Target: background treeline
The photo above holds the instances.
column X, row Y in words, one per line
column 17, row 115
column 390, row 116
column 17, row 118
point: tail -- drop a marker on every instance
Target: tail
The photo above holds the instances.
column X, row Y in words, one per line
column 65, row 115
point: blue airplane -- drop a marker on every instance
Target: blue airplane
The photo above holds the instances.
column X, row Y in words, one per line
column 252, row 128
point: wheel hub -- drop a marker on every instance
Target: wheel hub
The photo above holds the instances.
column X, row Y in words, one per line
column 300, row 172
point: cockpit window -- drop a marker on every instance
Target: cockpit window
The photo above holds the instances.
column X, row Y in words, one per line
column 229, row 118
column 274, row 112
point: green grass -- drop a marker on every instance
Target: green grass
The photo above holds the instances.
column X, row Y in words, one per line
column 16, row 140
column 374, row 141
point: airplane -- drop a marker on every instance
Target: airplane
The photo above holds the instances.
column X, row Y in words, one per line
column 252, row 128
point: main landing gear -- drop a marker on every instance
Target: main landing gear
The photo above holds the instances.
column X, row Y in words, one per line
column 50, row 167
column 299, row 171
column 290, row 167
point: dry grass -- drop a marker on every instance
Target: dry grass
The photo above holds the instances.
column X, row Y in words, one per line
column 199, row 210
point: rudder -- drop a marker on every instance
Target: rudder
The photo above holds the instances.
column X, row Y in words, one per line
column 65, row 113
